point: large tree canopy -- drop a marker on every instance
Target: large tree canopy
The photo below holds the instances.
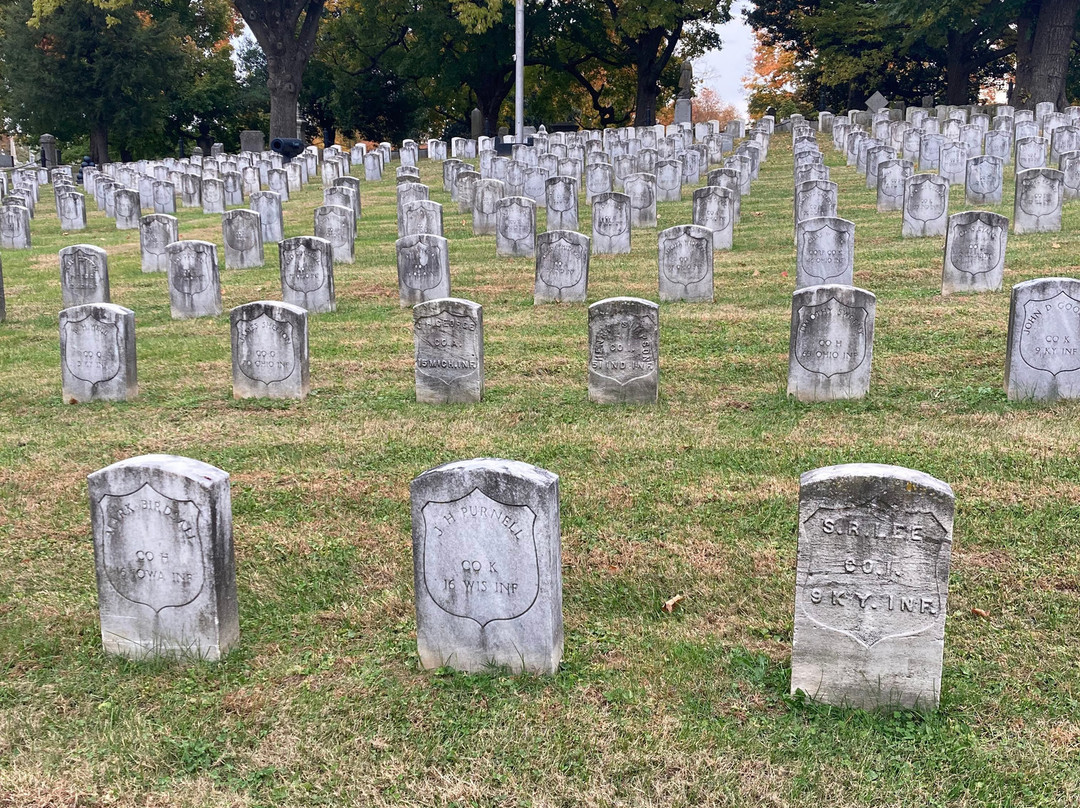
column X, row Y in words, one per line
column 846, row 49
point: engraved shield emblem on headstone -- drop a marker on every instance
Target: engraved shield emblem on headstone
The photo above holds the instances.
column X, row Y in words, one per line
column 157, row 238
column 153, row 548
column 984, row 178
column 686, row 259
column 825, row 251
column 240, row 234
column 193, row 276
column 811, row 350
column 928, row 201
column 450, row 349
column 92, row 349
column 562, row 197
column 304, row 271
column 565, row 264
column 975, row 248
column 609, row 220
column 1038, row 196
column 498, row 579
column 1050, row 333
column 266, row 349
column 623, row 351
column 874, row 581
column 518, row 223
column 80, row 270
column 423, row 269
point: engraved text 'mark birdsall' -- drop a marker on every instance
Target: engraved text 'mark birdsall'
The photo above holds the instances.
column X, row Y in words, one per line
column 170, row 574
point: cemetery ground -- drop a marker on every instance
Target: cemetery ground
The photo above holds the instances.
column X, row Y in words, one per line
column 322, row 704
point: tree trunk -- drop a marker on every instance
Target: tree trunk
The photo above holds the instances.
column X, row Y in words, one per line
column 284, row 85
column 645, row 103
column 1044, row 40
column 329, row 135
column 650, row 62
column 99, row 143
column 957, row 76
column 288, row 44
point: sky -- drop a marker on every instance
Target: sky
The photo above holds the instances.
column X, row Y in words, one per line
column 723, row 70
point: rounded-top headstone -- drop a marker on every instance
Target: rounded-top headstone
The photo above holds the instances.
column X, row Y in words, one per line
column 163, row 551
column 872, row 580
column 487, row 566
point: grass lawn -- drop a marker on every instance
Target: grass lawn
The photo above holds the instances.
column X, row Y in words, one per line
column 323, row 704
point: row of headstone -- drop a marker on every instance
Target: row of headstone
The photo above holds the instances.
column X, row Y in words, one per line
column 98, row 359
column 871, row 585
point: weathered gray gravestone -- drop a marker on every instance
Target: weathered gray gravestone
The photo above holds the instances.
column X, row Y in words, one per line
column 562, row 267
column 624, row 351
column 872, row 580
column 641, row 188
column 1042, row 359
column 1038, row 200
column 269, row 350
column 465, row 183
column 448, row 334
column 194, row 282
column 127, row 209
column 668, row 180
column 410, row 192
column 164, row 194
column 599, row 179
column 714, row 207
column 487, row 567
column 343, row 196
column 422, row 217
column 156, row 232
column 926, row 206
column 338, row 226
column 1031, row 152
column 306, row 265
column 423, row 263
column 268, row 205
column 213, row 196
column 373, row 166
column 84, row 275
column 984, row 181
column 166, row 575
column 515, row 226
column 892, row 177
column 611, row 224
column 930, row 152
column 562, row 203
column 97, row 353
column 831, row 348
column 953, row 162
column 974, row 252
column 1070, row 174
column 71, row 208
column 815, row 199
column 685, row 263
column 242, row 233
column 824, row 251
column 487, row 195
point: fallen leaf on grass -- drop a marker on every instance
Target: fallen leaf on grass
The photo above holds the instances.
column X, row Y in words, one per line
column 783, row 274
column 980, row 612
column 671, row 603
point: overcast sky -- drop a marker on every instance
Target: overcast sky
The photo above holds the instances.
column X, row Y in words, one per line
column 723, row 70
